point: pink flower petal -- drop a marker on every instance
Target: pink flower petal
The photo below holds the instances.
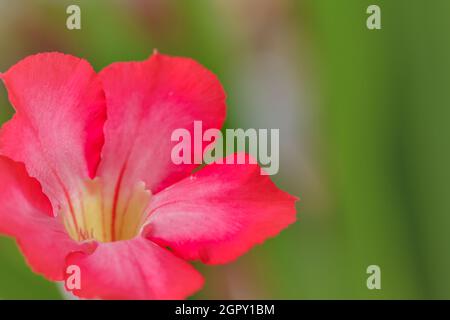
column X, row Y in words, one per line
column 146, row 102
column 134, row 269
column 219, row 213
column 26, row 214
column 57, row 128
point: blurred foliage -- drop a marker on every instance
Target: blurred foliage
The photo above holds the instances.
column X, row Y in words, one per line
column 377, row 143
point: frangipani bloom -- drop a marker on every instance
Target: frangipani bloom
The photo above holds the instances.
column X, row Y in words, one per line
column 86, row 177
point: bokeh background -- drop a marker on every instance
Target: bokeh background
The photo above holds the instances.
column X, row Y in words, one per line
column 363, row 118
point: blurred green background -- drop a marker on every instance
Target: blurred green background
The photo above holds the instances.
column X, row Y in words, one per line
column 363, row 117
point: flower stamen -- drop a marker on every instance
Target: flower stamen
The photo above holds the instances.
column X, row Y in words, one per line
column 97, row 216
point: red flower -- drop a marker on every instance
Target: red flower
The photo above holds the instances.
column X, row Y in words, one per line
column 105, row 195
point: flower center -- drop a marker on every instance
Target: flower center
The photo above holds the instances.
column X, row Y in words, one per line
column 104, row 216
